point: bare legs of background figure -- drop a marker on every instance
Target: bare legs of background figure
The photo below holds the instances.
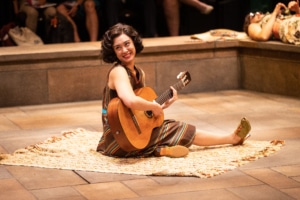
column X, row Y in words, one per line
column 172, row 12
column 91, row 22
column 64, row 10
column 202, row 7
column 33, row 14
column 91, row 19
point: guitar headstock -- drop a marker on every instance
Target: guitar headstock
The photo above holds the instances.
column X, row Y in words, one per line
column 184, row 77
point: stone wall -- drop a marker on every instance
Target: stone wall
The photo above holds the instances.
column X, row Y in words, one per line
column 75, row 72
column 270, row 67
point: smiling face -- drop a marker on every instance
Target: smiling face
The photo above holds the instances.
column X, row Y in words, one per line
column 124, row 49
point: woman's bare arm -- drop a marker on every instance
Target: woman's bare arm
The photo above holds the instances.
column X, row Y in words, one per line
column 264, row 34
column 118, row 80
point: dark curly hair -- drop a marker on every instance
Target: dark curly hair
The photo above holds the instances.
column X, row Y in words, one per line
column 107, row 51
column 246, row 24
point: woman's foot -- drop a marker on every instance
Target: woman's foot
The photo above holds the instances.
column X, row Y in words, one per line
column 176, row 151
column 242, row 132
column 208, row 9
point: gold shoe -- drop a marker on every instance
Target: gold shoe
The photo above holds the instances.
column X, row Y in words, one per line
column 243, row 130
column 176, row 151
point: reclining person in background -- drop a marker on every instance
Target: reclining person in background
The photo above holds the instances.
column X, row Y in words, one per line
column 277, row 25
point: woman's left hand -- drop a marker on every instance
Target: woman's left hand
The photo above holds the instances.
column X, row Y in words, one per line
column 73, row 10
column 172, row 100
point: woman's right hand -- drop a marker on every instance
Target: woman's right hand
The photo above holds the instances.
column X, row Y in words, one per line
column 157, row 110
column 294, row 6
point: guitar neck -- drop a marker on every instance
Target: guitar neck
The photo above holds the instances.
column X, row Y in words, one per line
column 168, row 94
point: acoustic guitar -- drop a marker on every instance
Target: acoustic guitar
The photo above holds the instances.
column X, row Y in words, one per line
column 132, row 129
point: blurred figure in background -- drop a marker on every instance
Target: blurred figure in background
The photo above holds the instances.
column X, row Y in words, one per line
column 172, row 12
column 85, row 8
column 146, row 8
column 278, row 25
column 34, row 9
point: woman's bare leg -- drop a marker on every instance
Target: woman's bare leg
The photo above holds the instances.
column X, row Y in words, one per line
column 236, row 138
column 64, row 11
column 172, row 13
column 202, row 7
column 209, row 139
column 91, row 19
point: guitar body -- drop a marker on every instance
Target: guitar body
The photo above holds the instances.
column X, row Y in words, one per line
column 132, row 129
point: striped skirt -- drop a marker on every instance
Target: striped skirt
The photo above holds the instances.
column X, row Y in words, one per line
column 171, row 133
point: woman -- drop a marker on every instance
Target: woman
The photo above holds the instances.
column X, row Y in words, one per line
column 262, row 27
column 120, row 45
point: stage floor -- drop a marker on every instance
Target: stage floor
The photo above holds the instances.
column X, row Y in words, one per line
column 271, row 117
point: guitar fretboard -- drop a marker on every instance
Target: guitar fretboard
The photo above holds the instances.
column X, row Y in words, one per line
column 168, row 94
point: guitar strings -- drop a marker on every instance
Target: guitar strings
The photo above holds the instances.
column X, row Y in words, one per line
column 168, row 93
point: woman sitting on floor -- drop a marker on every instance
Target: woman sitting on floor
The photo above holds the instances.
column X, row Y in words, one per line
column 171, row 138
column 278, row 25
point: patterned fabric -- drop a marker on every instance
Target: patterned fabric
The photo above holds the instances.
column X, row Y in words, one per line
column 286, row 28
column 289, row 31
column 170, row 133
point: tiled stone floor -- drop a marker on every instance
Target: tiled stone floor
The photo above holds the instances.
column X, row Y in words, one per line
column 273, row 177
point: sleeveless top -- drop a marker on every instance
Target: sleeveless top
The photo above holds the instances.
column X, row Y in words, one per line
column 170, row 133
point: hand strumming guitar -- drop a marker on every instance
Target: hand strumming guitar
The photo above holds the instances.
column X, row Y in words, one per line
column 157, row 109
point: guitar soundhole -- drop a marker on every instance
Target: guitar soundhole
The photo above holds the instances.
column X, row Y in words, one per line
column 149, row 114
